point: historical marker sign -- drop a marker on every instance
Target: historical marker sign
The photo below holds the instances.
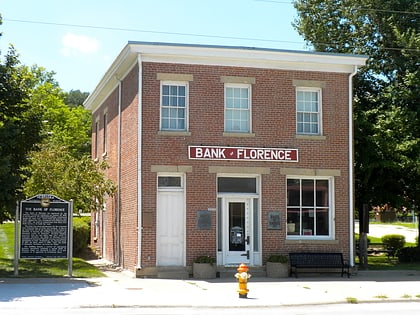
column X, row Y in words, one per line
column 45, row 227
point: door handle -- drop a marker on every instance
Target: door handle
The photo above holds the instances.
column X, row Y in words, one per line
column 247, row 240
column 246, row 254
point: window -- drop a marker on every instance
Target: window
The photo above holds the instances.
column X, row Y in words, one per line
column 237, row 108
column 173, row 106
column 236, row 185
column 308, row 111
column 169, row 182
column 105, row 136
column 95, row 144
column 308, row 207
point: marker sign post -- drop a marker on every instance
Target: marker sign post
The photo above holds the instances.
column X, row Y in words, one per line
column 46, row 229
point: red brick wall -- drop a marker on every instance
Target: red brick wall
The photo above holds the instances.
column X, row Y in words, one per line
column 273, row 122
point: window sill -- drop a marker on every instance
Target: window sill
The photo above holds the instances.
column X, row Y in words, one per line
column 311, row 137
column 174, row 133
column 239, row 134
column 307, row 240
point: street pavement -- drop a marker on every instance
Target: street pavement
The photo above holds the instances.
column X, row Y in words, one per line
column 121, row 289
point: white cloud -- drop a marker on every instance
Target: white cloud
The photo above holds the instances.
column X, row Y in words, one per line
column 75, row 45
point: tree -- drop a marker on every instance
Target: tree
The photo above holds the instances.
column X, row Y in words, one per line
column 20, row 125
column 75, row 98
column 54, row 170
column 61, row 165
column 387, row 90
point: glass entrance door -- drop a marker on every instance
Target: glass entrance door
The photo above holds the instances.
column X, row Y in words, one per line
column 237, row 231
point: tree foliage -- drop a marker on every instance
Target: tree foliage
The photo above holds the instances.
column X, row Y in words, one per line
column 75, row 98
column 387, row 90
column 44, row 143
column 62, row 165
column 20, row 125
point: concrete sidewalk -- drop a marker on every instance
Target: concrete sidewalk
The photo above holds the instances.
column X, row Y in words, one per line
column 121, row 289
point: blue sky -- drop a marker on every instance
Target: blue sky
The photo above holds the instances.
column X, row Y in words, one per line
column 79, row 39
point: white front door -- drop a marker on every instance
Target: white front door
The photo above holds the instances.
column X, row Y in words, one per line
column 237, row 231
column 170, row 228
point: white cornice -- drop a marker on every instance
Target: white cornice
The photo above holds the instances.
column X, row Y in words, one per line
column 218, row 56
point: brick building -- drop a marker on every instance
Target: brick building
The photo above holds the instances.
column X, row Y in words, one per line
column 232, row 152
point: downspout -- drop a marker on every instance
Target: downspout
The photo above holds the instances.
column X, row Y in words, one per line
column 118, row 205
column 351, row 173
column 139, row 160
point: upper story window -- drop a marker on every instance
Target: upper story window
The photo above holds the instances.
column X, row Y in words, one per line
column 96, row 140
column 105, row 136
column 308, row 111
column 174, row 106
column 237, row 108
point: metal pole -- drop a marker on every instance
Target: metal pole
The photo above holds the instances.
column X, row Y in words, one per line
column 16, row 253
column 70, row 240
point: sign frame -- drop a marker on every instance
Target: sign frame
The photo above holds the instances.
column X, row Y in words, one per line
column 44, row 229
column 226, row 153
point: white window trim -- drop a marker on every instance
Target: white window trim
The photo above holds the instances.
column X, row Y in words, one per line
column 320, row 124
column 187, row 101
column 331, row 218
column 239, row 85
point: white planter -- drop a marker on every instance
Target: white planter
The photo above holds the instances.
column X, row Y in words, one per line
column 204, row 271
column 277, row 270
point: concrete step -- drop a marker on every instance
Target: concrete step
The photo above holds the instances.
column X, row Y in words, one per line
column 172, row 273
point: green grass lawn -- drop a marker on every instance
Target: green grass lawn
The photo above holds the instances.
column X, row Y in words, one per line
column 38, row 268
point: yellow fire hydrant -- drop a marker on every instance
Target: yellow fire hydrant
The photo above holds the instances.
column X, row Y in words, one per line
column 242, row 275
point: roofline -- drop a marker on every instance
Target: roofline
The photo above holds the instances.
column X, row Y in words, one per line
column 248, row 48
column 236, row 56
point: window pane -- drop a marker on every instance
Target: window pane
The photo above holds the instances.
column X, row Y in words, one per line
column 165, row 100
column 165, row 113
column 244, row 93
column 307, row 192
column 244, row 103
column 165, row 89
column 181, row 90
column 169, row 181
column 229, row 92
column 174, row 90
column 181, row 102
column 322, row 193
column 308, row 222
column 322, row 225
column 293, row 221
column 293, row 192
column 236, row 93
column 236, row 103
column 237, row 184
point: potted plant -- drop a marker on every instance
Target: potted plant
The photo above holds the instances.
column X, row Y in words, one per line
column 204, row 267
column 277, row 266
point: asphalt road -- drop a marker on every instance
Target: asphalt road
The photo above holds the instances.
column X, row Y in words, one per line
column 331, row 309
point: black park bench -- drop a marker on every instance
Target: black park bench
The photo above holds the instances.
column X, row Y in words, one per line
column 307, row 261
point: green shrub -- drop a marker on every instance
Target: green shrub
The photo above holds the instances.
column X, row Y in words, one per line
column 205, row 259
column 278, row 259
column 409, row 255
column 81, row 234
column 393, row 242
